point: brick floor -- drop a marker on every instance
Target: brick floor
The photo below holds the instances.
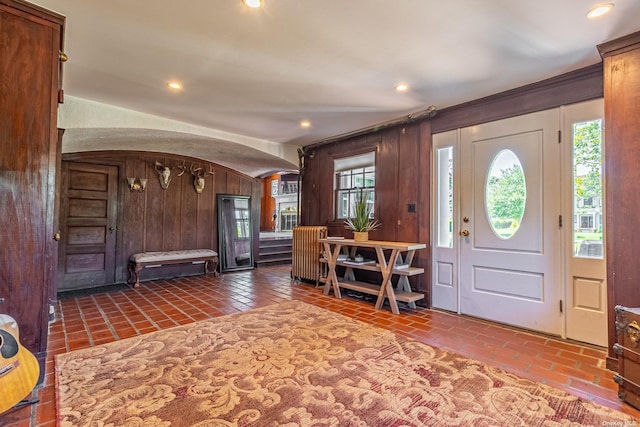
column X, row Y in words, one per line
column 89, row 319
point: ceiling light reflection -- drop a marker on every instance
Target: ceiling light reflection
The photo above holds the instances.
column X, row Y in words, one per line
column 254, row 4
column 599, row 10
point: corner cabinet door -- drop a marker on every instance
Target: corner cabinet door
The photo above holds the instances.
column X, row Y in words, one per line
column 29, row 79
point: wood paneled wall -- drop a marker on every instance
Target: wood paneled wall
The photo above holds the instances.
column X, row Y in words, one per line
column 171, row 219
column 622, row 175
column 402, row 179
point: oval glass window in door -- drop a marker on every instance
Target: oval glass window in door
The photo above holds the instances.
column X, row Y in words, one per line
column 505, row 194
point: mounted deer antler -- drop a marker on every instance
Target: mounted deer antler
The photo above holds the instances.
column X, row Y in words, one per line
column 198, row 177
column 164, row 173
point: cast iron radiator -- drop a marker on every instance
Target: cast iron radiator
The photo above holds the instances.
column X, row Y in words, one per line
column 307, row 250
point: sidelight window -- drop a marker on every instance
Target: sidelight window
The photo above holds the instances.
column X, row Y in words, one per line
column 587, row 189
column 444, row 197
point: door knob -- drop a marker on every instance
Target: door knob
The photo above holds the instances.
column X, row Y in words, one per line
column 464, row 233
column 112, row 229
column 57, row 236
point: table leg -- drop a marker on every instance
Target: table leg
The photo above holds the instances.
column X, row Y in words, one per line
column 403, row 281
column 386, row 289
column 332, row 278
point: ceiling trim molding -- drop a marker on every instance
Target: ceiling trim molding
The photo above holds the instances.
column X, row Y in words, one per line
column 619, row 45
column 569, row 88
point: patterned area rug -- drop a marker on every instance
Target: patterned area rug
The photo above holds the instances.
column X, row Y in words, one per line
column 293, row 364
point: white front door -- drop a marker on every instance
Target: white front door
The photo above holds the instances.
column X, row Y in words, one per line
column 510, row 265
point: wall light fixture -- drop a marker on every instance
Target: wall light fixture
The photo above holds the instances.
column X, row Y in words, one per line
column 137, row 184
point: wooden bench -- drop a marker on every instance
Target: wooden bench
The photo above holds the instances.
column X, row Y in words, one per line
column 157, row 259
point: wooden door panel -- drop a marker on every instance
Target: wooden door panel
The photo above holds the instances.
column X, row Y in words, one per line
column 85, row 262
column 86, row 235
column 86, row 208
column 88, row 216
column 83, row 180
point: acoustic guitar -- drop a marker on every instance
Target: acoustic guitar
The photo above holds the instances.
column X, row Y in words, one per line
column 19, row 369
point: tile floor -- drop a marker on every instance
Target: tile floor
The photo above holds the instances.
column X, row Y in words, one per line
column 88, row 320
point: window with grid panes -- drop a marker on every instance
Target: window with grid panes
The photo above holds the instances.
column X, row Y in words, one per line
column 288, row 220
column 352, row 175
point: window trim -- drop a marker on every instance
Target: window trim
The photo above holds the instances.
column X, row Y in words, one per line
column 357, row 161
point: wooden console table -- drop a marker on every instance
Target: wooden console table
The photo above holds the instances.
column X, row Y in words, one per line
column 394, row 264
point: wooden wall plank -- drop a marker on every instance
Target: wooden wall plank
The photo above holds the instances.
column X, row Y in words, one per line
column 172, row 215
column 622, row 175
column 423, row 207
column 191, row 213
column 387, row 186
column 409, row 176
column 153, row 214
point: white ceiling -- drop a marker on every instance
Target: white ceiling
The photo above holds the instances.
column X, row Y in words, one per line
column 251, row 76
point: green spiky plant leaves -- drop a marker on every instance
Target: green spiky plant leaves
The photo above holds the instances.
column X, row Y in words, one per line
column 361, row 220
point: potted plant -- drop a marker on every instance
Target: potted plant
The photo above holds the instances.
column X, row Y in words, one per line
column 361, row 222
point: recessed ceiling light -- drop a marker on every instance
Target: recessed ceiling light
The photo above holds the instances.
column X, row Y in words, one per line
column 254, row 4
column 174, row 85
column 402, row 87
column 305, row 124
column 599, row 10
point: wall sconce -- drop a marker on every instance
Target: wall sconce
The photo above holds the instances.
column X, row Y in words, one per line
column 137, row 184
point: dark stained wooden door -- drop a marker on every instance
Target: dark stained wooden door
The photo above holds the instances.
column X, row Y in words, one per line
column 88, row 223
